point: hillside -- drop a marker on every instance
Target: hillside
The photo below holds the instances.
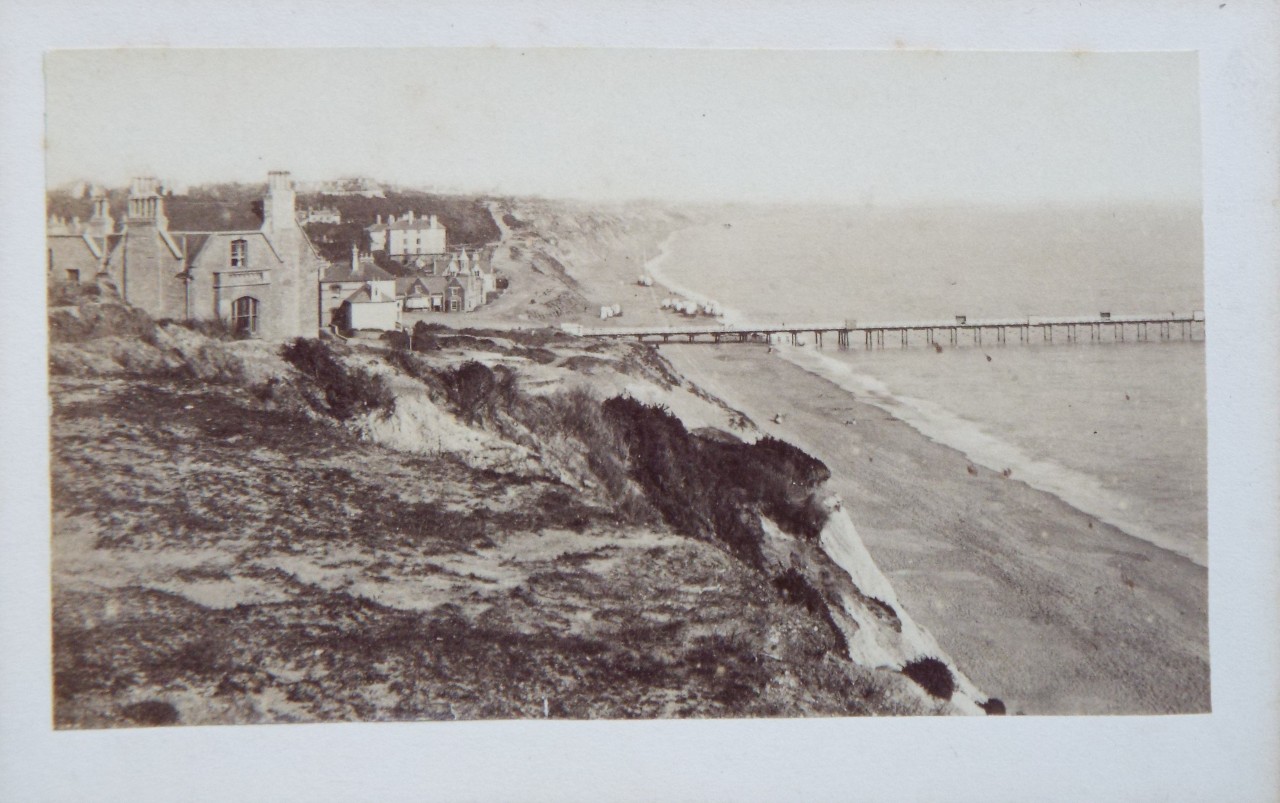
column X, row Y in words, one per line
column 495, row 525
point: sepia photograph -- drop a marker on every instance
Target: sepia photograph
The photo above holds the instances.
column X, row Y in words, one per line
column 748, row 402
column 783, row 384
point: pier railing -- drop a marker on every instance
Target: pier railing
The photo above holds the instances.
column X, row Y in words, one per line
column 958, row 330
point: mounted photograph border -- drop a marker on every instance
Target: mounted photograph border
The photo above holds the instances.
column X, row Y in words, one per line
column 1230, row 753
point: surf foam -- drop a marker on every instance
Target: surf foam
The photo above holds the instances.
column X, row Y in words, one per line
column 1082, row 491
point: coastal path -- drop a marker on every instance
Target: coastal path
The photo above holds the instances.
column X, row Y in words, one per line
column 1103, row 327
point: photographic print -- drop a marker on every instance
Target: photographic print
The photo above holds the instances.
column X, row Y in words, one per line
column 458, row 384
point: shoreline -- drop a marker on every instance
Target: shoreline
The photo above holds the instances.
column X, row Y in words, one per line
column 653, row 268
column 1076, row 488
column 1043, row 605
column 1089, row 620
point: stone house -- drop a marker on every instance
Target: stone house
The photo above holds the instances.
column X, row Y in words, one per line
column 258, row 281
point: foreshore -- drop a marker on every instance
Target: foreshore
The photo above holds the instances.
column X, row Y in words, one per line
column 1041, row 605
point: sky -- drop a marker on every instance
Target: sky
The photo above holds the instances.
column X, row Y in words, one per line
column 863, row 127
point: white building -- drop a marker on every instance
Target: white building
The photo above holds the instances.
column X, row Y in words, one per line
column 325, row 215
column 360, row 295
column 408, row 236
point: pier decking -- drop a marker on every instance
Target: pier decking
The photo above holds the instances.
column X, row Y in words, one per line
column 962, row 330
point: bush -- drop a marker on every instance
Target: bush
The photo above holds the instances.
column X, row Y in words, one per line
column 347, row 391
column 797, row 590
column 424, row 338
column 575, row 414
column 716, row 489
column 932, row 675
column 476, row 390
column 993, row 706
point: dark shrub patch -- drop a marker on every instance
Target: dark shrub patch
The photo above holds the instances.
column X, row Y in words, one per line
column 475, row 389
column 347, row 391
column 932, row 675
column 397, row 340
column 796, row 590
column 424, row 336
column 883, row 606
column 716, row 489
column 994, row 707
column 151, row 713
column 799, row 591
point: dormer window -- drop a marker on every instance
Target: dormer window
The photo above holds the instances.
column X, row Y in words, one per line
column 239, row 253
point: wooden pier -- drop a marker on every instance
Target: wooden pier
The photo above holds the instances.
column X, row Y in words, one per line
column 961, row 331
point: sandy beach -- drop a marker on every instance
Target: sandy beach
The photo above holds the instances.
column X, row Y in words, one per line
column 1041, row 605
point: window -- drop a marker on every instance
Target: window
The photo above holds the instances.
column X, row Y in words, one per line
column 239, row 253
column 244, row 315
column 73, row 276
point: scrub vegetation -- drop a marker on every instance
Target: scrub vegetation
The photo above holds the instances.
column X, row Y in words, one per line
column 229, row 547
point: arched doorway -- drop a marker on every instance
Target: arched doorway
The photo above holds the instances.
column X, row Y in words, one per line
column 244, row 315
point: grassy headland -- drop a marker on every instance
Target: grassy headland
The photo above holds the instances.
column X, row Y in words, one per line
column 495, row 524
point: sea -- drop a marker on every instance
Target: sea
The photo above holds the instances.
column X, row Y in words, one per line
column 1116, row 429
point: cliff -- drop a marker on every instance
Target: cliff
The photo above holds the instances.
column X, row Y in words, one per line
column 497, row 525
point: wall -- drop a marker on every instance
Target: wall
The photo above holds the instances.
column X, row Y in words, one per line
column 383, row 315
column 71, row 253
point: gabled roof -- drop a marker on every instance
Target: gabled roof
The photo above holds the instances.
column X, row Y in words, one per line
column 366, row 271
column 95, row 246
column 208, row 215
column 435, row 284
column 407, row 285
column 197, row 240
column 362, row 296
